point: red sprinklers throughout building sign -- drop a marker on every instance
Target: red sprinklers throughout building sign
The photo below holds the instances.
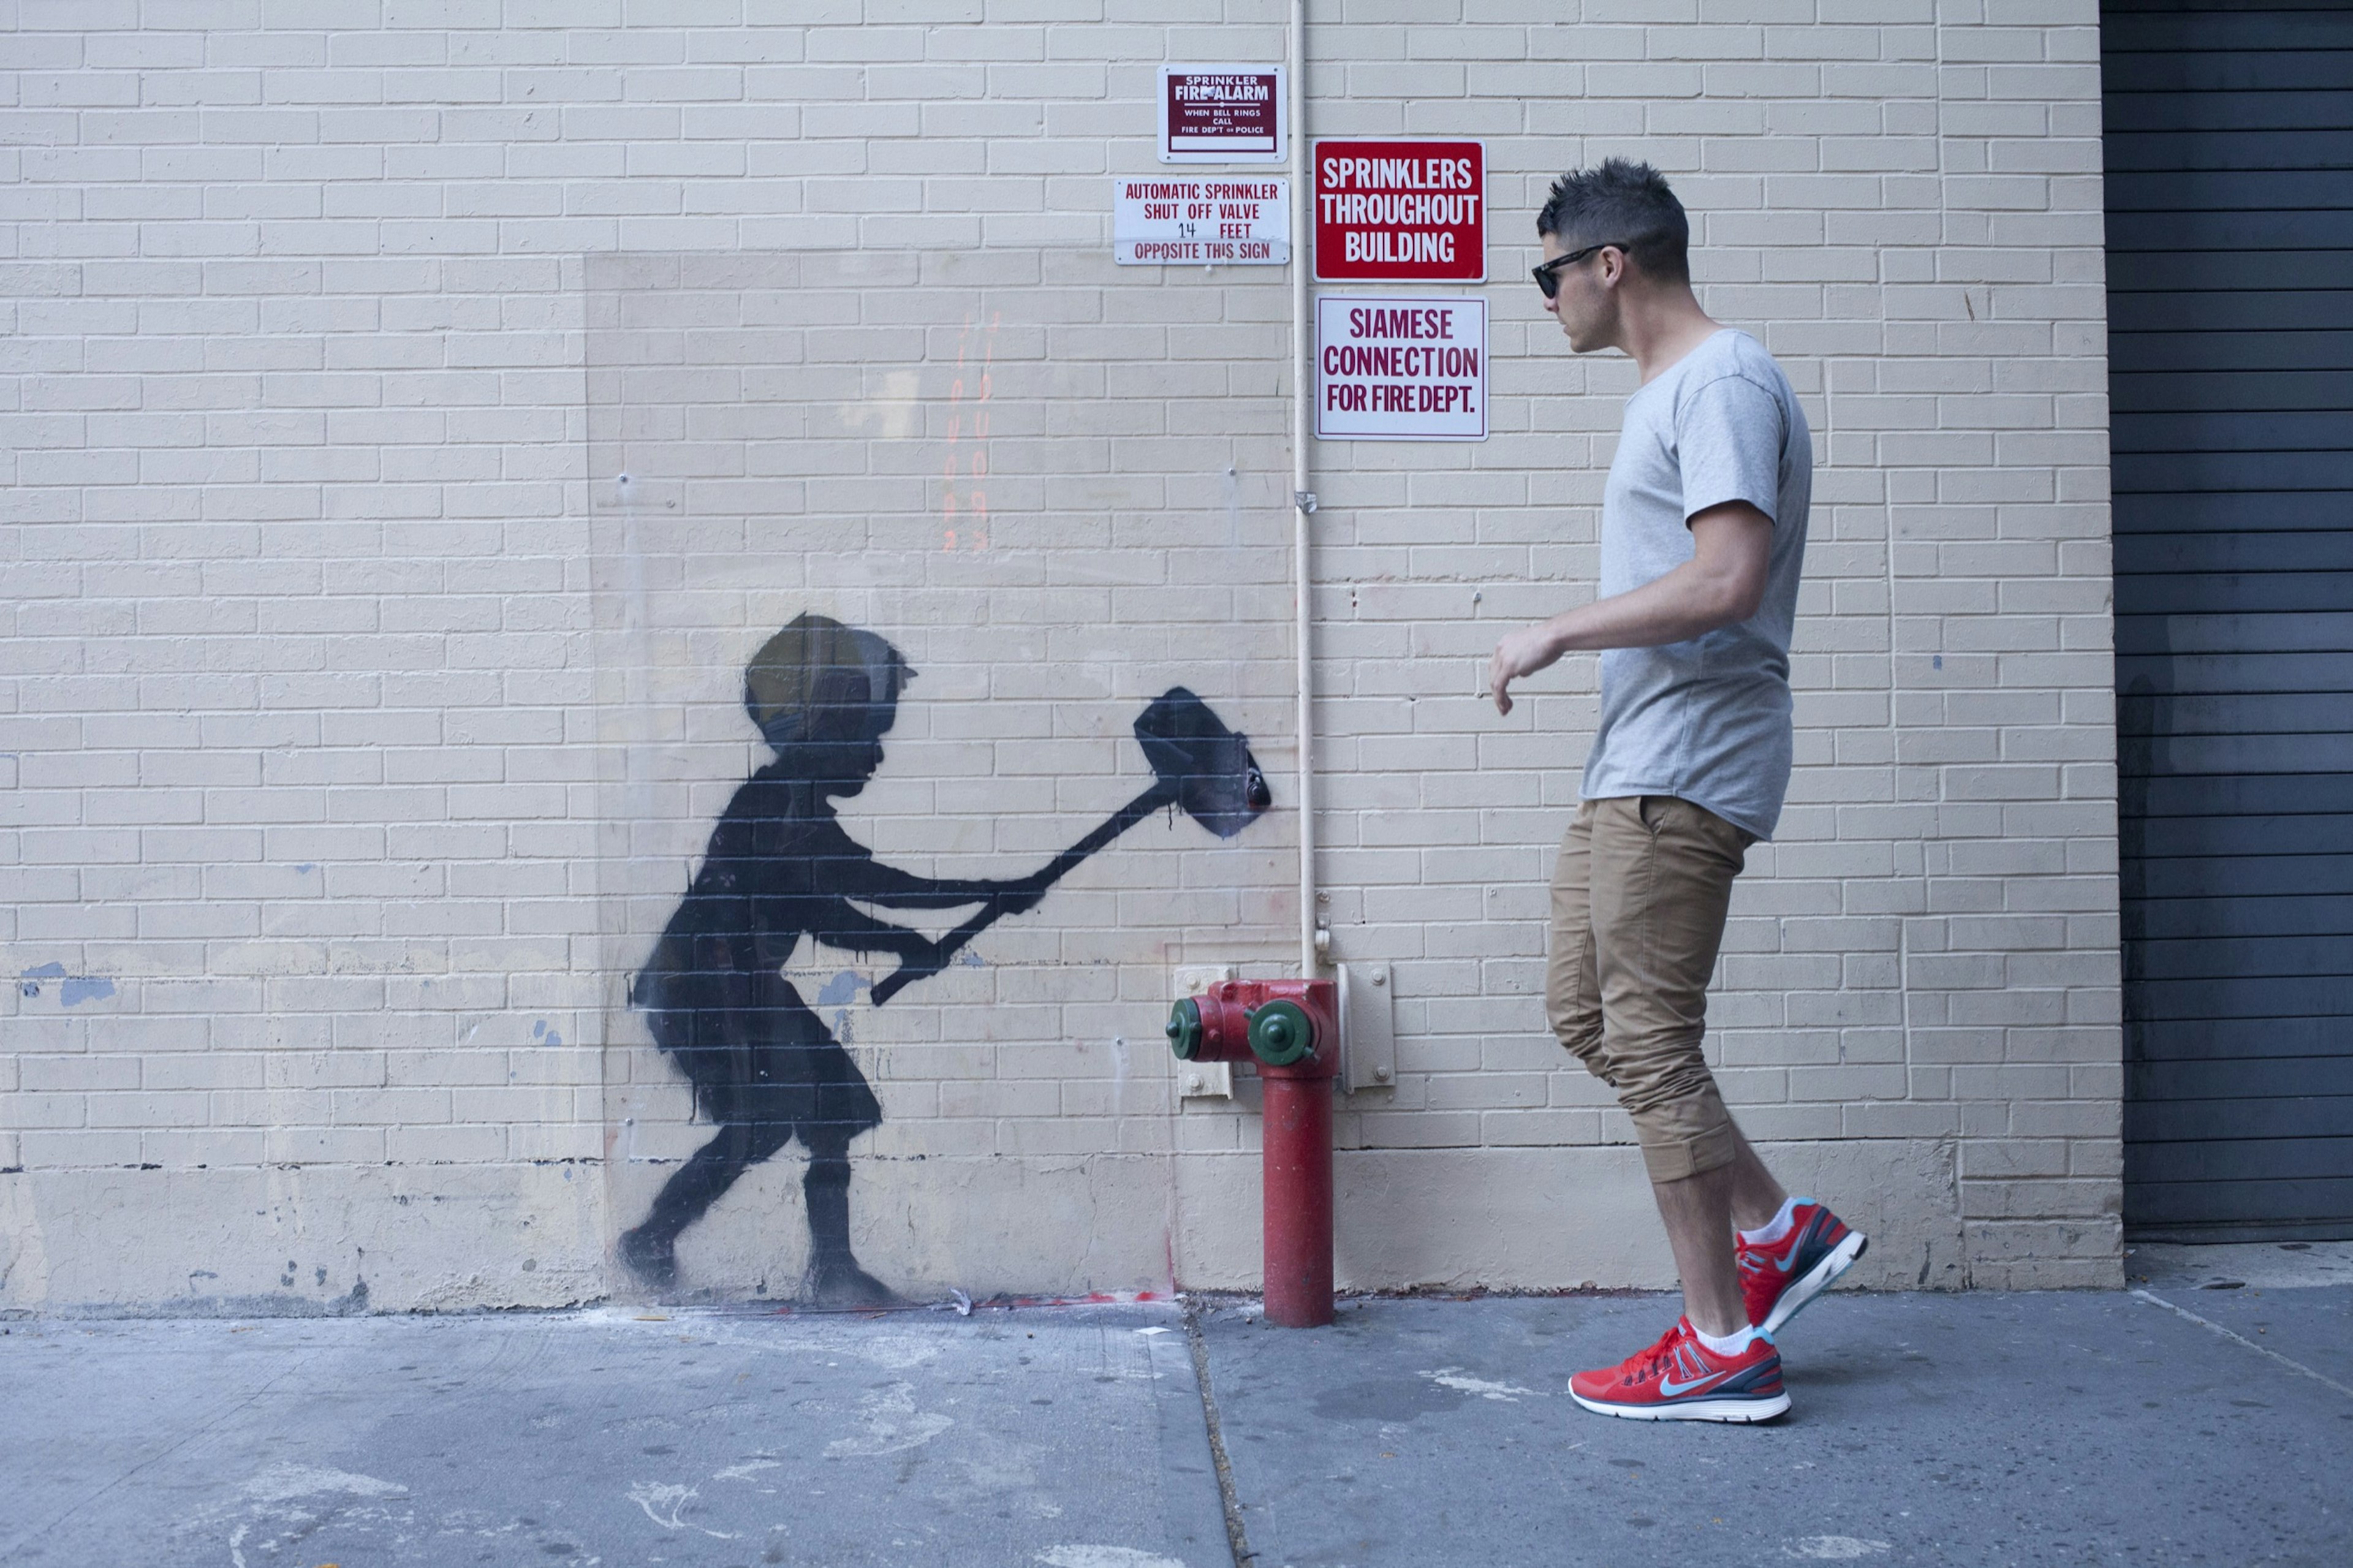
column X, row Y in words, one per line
column 1401, row 212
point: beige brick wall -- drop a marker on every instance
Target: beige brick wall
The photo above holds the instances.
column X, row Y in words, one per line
column 359, row 726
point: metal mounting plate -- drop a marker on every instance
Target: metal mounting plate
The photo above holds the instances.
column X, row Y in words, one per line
column 1367, row 1026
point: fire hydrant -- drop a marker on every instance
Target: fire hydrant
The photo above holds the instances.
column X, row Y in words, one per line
column 1291, row 1028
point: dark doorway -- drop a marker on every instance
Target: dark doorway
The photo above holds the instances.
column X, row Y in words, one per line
column 2229, row 137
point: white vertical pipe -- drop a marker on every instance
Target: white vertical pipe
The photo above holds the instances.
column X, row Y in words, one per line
column 1303, row 501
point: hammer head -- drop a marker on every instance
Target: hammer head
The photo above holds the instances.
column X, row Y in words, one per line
column 1206, row 767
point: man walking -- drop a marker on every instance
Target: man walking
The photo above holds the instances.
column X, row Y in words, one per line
column 1703, row 535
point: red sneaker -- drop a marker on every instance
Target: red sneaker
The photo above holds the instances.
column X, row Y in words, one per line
column 1680, row 1379
column 1780, row 1277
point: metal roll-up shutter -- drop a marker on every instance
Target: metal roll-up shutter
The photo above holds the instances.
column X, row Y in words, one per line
column 2228, row 143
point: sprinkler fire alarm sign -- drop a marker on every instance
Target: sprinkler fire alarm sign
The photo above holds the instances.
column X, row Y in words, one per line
column 1222, row 114
column 1400, row 212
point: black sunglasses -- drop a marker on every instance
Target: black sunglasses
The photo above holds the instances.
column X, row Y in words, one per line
column 1548, row 280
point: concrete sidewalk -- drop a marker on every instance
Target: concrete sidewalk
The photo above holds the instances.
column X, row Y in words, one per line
column 2207, row 1418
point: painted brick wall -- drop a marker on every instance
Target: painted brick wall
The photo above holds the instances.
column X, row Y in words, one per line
column 360, row 726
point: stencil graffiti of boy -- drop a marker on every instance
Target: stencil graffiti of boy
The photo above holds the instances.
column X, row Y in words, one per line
column 780, row 867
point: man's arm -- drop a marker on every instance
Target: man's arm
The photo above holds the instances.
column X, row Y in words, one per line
column 1720, row 585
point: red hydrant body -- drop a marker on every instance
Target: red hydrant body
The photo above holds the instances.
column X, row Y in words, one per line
column 1291, row 1028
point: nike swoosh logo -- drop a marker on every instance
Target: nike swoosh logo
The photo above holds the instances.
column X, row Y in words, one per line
column 1670, row 1389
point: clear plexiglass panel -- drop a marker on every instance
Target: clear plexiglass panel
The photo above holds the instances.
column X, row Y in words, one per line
column 937, row 633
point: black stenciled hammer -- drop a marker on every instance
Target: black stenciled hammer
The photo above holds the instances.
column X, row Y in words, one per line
column 1197, row 763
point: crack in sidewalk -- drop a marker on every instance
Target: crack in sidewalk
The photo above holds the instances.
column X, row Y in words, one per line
column 2155, row 1300
column 1237, row 1537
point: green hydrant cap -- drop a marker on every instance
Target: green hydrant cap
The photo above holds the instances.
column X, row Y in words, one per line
column 1185, row 1029
column 1281, row 1033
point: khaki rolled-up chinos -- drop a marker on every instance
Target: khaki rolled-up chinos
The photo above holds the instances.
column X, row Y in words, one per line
column 1639, row 897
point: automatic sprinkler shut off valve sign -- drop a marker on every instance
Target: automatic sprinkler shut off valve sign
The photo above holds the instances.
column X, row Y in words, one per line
column 1227, row 219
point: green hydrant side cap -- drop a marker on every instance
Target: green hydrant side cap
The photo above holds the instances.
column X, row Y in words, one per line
column 1281, row 1033
column 1185, row 1029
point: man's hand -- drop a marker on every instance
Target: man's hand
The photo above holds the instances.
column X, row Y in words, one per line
column 1722, row 584
column 1523, row 652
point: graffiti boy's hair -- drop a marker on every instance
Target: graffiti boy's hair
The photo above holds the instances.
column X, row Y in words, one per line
column 1623, row 204
column 820, row 680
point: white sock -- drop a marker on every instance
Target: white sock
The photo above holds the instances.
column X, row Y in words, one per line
column 1776, row 1228
column 1732, row 1345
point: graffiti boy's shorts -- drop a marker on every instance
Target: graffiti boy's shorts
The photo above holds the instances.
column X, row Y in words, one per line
column 1638, row 904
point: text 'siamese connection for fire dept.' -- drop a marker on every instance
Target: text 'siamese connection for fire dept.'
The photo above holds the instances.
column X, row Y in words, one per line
column 1389, row 368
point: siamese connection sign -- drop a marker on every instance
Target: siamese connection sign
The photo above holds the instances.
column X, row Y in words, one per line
column 1389, row 368
column 1228, row 220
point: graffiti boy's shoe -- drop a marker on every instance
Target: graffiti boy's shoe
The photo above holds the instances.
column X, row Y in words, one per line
column 652, row 1256
column 1779, row 1277
column 839, row 1285
column 1680, row 1379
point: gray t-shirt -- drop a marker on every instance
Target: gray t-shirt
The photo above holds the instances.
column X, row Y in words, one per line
column 1707, row 719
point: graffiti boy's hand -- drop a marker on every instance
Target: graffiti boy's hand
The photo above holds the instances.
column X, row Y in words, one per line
column 1017, row 898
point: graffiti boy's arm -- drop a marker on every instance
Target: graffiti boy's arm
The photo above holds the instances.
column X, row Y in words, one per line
column 844, row 926
column 896, row 889
column 850, row 871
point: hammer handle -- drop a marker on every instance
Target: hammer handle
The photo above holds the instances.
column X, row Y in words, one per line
column 1110, row 827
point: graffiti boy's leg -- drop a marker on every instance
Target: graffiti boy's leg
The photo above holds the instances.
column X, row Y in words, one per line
column 650, row 1249
column 835, row 1277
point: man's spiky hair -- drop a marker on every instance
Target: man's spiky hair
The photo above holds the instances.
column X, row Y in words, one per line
column 1624, row 203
